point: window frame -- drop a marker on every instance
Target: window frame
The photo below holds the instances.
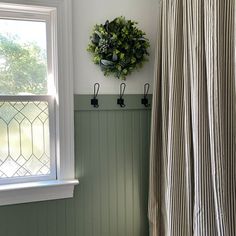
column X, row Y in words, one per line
column 59, row 12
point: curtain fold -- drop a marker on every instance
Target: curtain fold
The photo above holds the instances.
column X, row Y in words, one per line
column 193, row 139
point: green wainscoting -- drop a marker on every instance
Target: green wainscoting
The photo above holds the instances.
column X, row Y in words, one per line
column 111, row 149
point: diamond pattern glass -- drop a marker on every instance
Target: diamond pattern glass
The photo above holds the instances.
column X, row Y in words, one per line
column 24, row 139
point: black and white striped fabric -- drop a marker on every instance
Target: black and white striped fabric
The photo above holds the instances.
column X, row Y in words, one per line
column 193, row 143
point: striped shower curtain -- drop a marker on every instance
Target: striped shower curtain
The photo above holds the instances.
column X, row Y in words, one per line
column 193, row 142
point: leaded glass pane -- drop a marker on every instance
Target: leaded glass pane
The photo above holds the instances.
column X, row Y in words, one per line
column 24, row 139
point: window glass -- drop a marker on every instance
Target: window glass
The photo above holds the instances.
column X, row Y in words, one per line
column 24, row 118
column 24, row 139
column 23, row 57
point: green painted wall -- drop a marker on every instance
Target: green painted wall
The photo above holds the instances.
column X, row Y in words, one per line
column 111, row 147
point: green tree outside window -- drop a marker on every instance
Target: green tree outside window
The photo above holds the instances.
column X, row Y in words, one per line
column 23, row 67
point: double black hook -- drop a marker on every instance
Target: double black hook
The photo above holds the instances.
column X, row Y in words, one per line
column 120, row 100
column 144, row 100
column 94, row 100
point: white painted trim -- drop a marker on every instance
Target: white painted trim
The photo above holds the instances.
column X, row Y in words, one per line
column 36, row 191
column 65, row 103
column 65, row 85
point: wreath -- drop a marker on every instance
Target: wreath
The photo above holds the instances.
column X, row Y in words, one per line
column 118, row 47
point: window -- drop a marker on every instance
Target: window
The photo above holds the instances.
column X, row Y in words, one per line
column 34, row 98
column 27, row 132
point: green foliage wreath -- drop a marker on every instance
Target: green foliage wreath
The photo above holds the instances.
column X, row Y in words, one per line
column 118, row 47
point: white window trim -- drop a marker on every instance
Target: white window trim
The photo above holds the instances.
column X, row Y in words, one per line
column 63, row 186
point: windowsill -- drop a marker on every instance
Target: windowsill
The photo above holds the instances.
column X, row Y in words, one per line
column 36, row 191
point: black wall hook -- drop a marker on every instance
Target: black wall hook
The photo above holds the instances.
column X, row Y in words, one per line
column 94, row 100
column 144, row 100
column 120, row 100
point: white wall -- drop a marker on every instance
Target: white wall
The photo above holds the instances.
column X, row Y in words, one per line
column 87, row 13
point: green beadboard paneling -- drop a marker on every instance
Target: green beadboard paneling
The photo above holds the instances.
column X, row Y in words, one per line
column 111, row 151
